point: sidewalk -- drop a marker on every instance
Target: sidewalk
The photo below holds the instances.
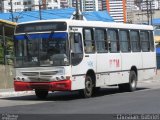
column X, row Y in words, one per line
column 11, row 93
column 153, row 83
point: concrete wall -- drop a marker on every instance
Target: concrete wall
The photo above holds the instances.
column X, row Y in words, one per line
column 6, row 76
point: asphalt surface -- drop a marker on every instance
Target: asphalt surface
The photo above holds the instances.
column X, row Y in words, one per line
column 144, row 101
column 107, row 101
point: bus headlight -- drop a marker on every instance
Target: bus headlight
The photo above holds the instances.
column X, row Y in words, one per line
column 61, row 78
column 19, row 79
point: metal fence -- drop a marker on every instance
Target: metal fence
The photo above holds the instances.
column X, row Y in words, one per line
column 6, row 76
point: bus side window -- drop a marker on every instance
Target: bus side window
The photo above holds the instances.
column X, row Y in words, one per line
column 135, row 41
column 101, row 41
column 124, row 40
column 88, row 40
column 144, row 35
column 112, row 38
column 151, row 40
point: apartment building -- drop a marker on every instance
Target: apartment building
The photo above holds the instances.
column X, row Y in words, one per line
column 104, row 5
column 131, row 6
column 64, row 3
column 90, row 5
column 72, row 3
column 117, row 9
column 28, row 5
column 149, row 4
column 86, row 5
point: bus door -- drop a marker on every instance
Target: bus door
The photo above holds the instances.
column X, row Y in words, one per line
column 82, row 58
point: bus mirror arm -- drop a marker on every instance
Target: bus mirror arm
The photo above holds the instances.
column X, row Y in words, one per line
column 72, row 54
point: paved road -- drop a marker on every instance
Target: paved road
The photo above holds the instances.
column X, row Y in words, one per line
column 144, row 100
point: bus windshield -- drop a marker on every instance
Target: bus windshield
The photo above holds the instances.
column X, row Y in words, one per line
column 43, row 49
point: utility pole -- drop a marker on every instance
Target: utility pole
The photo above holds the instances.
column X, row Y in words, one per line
column 40, row 4
column 78, row 16
column 1, row 6
column 12, row 10
column 40, row 12
column 77, row 11
column 148, row 11
column 151, row 12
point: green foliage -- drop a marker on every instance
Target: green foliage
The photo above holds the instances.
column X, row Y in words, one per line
column 9, row 50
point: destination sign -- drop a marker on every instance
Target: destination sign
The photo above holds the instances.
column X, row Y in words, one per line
column 43, row 26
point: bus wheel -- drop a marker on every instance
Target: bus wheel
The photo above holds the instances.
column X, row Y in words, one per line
column 41, row 94
column 88, row 90
column 132, row 85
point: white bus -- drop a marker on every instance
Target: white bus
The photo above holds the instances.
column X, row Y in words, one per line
column 69, row 55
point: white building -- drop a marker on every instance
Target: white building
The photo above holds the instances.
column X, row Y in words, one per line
column 90, row 5
column 28, row 5
column 86, row 5
column 153, row 4
column 64, row 3
column 131, row 7
column 116, row 8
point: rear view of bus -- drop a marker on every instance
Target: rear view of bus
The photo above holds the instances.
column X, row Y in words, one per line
column 42, row 57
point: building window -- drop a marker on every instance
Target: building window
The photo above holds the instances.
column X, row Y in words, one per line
column 24, row 3
column 17, row 10
column 29, row 2
column 49, row 8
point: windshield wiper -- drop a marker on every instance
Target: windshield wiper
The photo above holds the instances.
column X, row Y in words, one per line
column 27, row 36
column 51, row 34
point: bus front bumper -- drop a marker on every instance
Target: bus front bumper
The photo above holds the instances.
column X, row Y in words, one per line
column 64, row 85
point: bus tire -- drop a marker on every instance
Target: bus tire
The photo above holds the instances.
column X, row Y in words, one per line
column 88, row 90
column 132, row 85
column 41, row 94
